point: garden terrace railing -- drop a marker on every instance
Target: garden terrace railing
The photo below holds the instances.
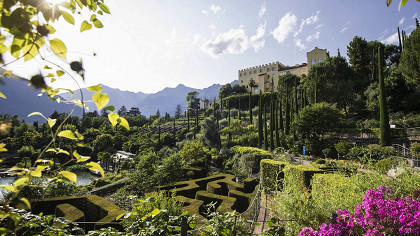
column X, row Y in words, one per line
column 412, row 159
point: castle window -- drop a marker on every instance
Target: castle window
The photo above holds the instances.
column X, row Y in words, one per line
column 319, row 60
column 255, row 71
column 312, row 62
column 268, row 69
column 242, row 81
column 250, row 72
column 245, row 74
column 273, row 69
column 240, row 75
column 260, row 70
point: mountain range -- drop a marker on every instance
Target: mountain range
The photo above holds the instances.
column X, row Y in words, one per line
column 23, row 99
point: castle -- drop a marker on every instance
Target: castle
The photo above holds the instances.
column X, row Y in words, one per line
column 266, row 76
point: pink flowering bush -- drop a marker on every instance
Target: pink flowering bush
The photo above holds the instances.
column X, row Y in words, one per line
column 379, row 214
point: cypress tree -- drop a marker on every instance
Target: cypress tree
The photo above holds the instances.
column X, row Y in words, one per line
column 260, row 123
column 316, row 86
column 272, row 123
column 174, row 132
column 228, row 103
column 276, row 122
column 374, row 64
column 196, row 122
column 287, row 113
column 399, row 40
column 296, row 97
column 239, row 108
column 265, row 128
column 159, row 138
column 383, row 108
column 281, row 115
column 250, row 109
column 188, row 120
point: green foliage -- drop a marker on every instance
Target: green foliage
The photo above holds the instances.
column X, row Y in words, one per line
column 224, row 223
column 371, row 153
column 161, row 200
column 415, row 149
column 192, row 151
column 272, row 174
column 343, row 147
column 210, row 131
column 410, row 58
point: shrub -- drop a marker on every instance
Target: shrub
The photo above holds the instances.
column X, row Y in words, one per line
column 371, row 153
column 343, row 147
column 415, row 149
column 272, row 174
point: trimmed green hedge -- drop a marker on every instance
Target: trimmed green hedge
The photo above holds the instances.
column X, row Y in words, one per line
column 69, row 212
column 221, row 189
column 261, row 153
column 94, row 208
column 300, row 175
column 109, row 188
column 272, row 174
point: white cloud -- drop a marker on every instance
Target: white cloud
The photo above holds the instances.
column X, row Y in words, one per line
column 308, row 21
column 235, row 41
column 286, row 25
column 392, row 39
column 215, row 9
column 299, row 44
column 319, row 26
column 205, row 12
column 213, row 26
column 257, row 40
column 312, row 37
column 343, row 29
column 415, row 15
column 262, row 10
column 401, row 21
column 196, row 38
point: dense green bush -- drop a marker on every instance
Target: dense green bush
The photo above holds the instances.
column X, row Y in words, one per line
column 343, row 147
column 371, row 153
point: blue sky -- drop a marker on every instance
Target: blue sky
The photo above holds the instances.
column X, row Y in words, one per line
column 149, row 45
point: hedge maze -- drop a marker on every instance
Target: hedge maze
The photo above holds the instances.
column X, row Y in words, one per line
column 90, row 208
column 220, row 189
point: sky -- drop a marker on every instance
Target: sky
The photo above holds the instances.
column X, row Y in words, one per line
column 149, row 45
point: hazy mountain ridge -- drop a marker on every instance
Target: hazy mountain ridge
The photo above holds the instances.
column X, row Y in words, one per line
column 23, row 100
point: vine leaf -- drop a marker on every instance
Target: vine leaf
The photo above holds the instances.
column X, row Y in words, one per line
column 51, row 122
column 69, row 175
column 67, row 134
column 97, row 23
column 38, row 171
column 7, row 73
column 68, row 17
column 59, row 73
column 95, row 167
column 37, row 114
column 9, row 188
column 101, row 100
column 122, row 121
column 112, row 117
column 2, row 147
column 85, row 26
column 58, row 47
column 110, row 108
column 27, row 203
column 104, row 8
column 95, row 88
column 20, row 181
column 2, row 95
